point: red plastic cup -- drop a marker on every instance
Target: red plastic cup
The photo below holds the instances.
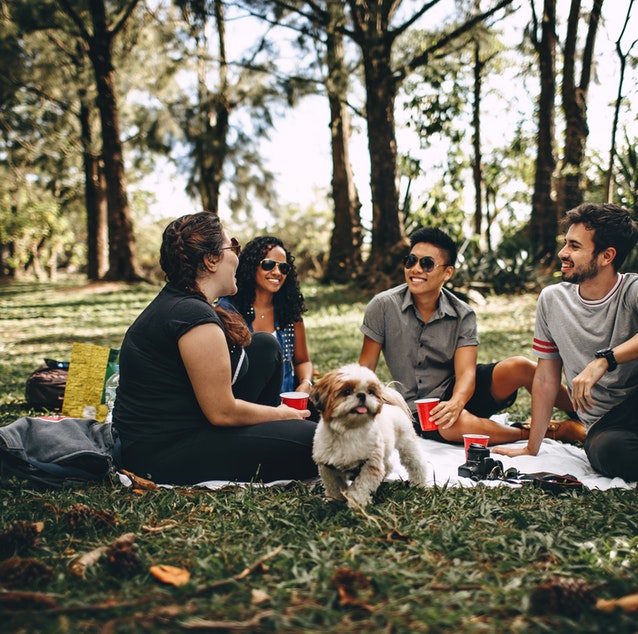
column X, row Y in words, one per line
column 298, row 400
column 424, row 407
column 474, row 439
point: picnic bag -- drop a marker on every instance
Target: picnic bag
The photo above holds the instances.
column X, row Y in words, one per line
column 45, row 386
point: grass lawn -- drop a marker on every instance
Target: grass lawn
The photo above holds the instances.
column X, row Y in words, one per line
column 283, row 559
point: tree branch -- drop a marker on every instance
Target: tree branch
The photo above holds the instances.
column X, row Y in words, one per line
column 423, row 58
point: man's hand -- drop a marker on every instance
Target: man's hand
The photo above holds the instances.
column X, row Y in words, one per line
column 583, row 383
column 446, row 413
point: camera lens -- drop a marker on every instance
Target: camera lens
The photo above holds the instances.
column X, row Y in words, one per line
column 477, row 453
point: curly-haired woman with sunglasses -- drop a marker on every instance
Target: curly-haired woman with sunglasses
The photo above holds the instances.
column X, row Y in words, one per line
column 269, row 298
column 198, row 397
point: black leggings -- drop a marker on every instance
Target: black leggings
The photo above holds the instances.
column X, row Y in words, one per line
column 276, row 450
column 612, row 443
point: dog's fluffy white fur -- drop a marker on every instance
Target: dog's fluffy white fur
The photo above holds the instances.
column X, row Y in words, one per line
column 362, row 422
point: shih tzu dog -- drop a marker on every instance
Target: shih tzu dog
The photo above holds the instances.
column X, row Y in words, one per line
column 362, row 422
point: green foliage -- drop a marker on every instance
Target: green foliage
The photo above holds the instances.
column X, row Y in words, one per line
column 627, row 190
column 439, row 560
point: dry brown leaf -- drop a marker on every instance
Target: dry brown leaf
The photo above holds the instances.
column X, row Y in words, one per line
column 170, row 574
column 257, row 597
column 138, row 482
column 629, row 603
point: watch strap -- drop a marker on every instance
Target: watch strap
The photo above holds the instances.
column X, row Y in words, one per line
column 608, row 354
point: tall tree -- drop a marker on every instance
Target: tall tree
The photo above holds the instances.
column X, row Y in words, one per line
column 483, row 53
column 39, row 121
column 373, row 32
column 622, row 58
column 345, row 256
column 97, row 30
column 544, row 216
column 245, row 87
column 207, row 129
column 574, row 96
column 324, row 22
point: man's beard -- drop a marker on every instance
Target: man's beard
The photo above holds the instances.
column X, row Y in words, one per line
column 578, row 277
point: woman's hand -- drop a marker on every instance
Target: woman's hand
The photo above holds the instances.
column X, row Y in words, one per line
column 512, row 452
column 284, row 412
column 304, row 386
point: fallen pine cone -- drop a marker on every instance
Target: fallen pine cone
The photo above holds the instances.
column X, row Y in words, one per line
column 123, row 556
column 561, row 595
column 351, row 585
column 85, row 561
column 18, row 571
column 20, row 535
column 83, row 515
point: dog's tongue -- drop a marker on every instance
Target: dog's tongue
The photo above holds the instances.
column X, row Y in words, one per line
column 361, row 409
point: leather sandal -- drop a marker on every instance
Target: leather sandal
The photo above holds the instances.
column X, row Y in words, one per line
column 571, row 431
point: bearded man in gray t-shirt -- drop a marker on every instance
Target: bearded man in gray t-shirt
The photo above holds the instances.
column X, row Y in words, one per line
column 587, row 327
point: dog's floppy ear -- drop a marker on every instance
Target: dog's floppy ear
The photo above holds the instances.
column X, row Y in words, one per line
column 320, row 391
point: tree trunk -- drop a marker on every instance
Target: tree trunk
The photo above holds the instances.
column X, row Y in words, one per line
column 622, row 57
column 95, row 195
column 544, row 217
column 387, row 224
column 211, row 142
column 122, row 253
column 344, row 261
column 371, row 31
column 477, row 167
column 575, row 102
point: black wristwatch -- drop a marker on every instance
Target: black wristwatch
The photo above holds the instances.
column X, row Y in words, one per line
column 608, row 353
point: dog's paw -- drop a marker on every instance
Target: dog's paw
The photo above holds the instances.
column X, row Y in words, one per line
column 358, row 500
column 336, row 497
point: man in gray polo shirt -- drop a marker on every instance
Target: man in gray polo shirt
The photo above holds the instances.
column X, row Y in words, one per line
column 587, row 326
column 429, row 340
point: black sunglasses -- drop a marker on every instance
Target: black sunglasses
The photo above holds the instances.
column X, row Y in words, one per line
column 426, row 263
column 235, row 247
column 269, row 265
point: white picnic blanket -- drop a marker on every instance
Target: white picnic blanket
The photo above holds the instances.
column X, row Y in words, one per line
column 554, row 457
column 443, row 461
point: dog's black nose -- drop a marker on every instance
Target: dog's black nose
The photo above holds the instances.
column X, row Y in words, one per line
column 362, row 397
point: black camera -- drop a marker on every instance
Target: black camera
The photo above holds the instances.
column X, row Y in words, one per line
column 479, row 465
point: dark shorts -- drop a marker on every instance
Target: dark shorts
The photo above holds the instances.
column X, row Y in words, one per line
column 482, row 403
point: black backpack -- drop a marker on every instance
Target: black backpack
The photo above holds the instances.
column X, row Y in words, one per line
column 45, row 386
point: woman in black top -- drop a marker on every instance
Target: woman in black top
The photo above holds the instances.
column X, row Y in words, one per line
column 198, row 398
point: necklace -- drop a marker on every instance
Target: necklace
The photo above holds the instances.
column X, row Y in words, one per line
column 262, row 314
